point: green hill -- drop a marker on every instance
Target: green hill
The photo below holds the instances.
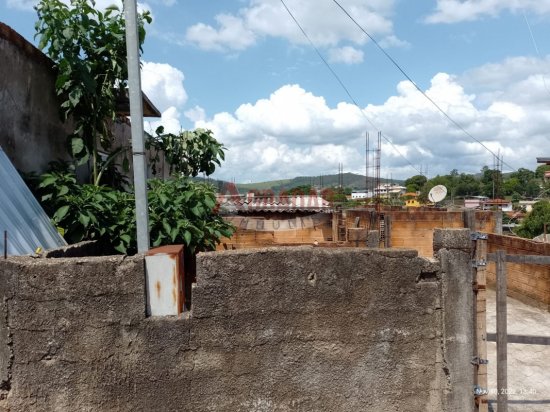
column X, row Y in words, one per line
column 351, row 180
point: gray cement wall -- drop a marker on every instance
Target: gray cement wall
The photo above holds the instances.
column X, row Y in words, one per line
column 282, row 329
column 32, row 133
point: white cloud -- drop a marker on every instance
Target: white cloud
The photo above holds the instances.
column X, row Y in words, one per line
column 163, row 84
column 393, row 41
column 232, row 34
column 295, row 132
column 347, row 55
column 324, row 22
column 170, row 120
column 21, row 4
column 454, row 11
column 195, row 114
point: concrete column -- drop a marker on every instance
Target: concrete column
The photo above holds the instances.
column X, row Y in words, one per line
column 453, row 248
column 498, row 222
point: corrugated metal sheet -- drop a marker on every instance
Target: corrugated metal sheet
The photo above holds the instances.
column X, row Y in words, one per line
column 289, row 204
column 21, row 215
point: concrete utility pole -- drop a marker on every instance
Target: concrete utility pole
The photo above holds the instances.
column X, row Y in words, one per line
column 136, row 117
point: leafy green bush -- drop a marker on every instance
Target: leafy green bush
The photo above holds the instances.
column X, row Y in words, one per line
column 533, row 224
column 183, row 211
column 180, row 211
column 89, row 212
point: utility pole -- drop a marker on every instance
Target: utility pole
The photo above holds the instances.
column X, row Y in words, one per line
column 136, row 117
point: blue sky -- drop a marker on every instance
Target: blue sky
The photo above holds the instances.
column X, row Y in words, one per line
column 243, row 69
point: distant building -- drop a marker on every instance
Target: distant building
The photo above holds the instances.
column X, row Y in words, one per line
column 484, row 203
column 475, row 202
column 361, row 195
column 389, row 190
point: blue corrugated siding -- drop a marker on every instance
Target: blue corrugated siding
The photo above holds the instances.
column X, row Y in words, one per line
column 23, row 218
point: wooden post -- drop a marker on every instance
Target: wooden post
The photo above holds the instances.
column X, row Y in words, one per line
column 502, row 333
column 481, row 321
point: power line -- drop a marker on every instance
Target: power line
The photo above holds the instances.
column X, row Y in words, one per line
column 536, row 48
column 342, row 84
column 414, row 83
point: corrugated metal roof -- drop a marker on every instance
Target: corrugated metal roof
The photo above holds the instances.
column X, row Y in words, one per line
column 291, row 204
column 27, row 225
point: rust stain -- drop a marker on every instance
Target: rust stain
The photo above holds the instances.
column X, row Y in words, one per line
column 157, row 287
column 175, row 284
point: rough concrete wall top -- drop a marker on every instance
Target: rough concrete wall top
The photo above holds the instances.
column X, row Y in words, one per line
column 285, row 329
column 318, row 330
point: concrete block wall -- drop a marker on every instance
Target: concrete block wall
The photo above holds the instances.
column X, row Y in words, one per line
column 528, row 283
column 279, row 329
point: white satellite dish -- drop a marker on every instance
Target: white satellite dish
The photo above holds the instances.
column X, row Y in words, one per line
column 437, row 194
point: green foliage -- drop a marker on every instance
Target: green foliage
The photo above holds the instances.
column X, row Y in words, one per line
column 524, row 182
column 88, row 47
column 533, row 224
column 539, row 172
column 180, row 211
column 89, row 212
column 415, row 183
column 188, row 153
column 183, row 211
column 301, row 190
column 467, row 185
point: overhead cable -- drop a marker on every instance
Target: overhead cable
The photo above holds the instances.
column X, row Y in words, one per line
column 454, row 122
column 344, row 86
column 536, row 48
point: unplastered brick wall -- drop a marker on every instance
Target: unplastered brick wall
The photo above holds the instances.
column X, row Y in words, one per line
column 279, row 329
column 529, row 283
column 255, row 231
column 414, row 229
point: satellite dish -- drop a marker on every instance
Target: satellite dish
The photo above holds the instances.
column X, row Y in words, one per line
column 437, row 194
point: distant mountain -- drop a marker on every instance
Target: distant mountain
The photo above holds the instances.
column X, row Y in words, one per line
column 352, row 180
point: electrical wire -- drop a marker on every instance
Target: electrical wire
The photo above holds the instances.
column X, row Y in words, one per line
column 391, row 59
column 344, row 86
column 536, row 48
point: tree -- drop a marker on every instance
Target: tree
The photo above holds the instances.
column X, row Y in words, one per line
column 301, row 190
column 539, row 172
column 415, row 183
column 467, row 185
column 533, row 223
column 188, row 153
column 88, row 47
column 491, row 182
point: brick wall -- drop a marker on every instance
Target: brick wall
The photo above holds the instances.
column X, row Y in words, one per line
column 411, row 229
column 414, row 229
column 257, row 232
column 528, row 283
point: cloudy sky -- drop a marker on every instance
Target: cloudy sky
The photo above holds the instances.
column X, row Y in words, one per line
column 245, row 70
